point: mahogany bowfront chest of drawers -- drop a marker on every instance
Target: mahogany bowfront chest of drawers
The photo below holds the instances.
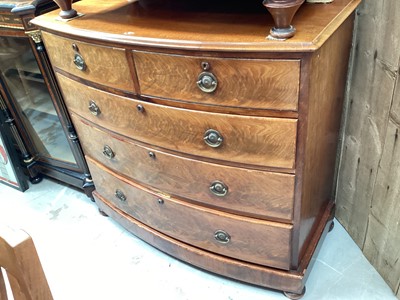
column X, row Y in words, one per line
column 204, row 138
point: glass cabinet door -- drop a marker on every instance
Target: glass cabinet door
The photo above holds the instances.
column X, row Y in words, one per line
column 24, row 81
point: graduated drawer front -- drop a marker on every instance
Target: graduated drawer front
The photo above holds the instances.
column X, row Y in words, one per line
column 249, row 192
column 252, row 240
column 250, row 140
column 103, row 65
column 248, row 83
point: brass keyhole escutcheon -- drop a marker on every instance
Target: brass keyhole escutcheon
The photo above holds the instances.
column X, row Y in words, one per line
column 140, row 108
column 205, row 65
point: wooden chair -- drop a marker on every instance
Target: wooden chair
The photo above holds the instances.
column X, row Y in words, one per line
column 19, row 260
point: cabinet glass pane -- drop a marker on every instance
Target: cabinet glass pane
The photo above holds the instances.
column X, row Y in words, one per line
column 25, row 82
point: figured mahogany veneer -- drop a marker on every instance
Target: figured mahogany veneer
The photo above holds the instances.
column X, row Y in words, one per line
column 259, row 141
column 250, row 192
column 104, row 65
column 203, row 138
column 260, row 242
column 259, row 84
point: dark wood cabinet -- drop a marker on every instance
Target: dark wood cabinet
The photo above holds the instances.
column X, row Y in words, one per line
column 43, row 131
column 204, row 138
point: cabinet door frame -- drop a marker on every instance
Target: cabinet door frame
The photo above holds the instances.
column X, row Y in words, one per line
column 9, row 158
column 75, row 172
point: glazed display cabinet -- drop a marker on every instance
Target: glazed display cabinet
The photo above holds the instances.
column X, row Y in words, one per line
column 33, row 105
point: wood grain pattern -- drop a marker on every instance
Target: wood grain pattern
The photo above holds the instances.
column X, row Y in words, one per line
column 292, row 281
column 325, row 100
column 18, row 257
column 227, row 27
column 264, row 195
column 368, row 188
column 249, row 140
column 104, row 65
column 251, row 83
column 367, row 118
column 382, row 239
column 3, row 291
column 252, row 240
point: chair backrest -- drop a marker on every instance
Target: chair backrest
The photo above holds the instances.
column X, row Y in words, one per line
column 20, row 261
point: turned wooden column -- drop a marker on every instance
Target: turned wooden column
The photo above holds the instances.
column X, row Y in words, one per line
column 66, row 9
column 283, row 12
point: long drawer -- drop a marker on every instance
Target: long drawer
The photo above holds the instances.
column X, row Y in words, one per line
column 249, row 83
column 241, row 191
column 252, row 240
column 105, row 65
column 250, row 140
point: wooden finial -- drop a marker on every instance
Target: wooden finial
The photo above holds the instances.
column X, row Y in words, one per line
column 283, row 12
column 66, row 9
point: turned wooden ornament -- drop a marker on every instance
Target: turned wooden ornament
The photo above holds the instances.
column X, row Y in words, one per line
column 283, row 12
column 67, row 12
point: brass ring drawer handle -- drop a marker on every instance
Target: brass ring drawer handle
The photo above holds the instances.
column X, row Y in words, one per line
column 219, row 189
column 120, row 195
column 213, row 138
column 94, row 109
column 108, row 152
column 79, row 62
column 207, row 82
column 222, row 237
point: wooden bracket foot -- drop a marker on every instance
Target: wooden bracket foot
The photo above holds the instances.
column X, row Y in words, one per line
column 331, row 226
column 294, row 296
column 102, row 212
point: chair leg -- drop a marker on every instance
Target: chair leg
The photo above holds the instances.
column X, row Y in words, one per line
column 3, row 291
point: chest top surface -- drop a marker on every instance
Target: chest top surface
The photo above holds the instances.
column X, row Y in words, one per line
column 187, row 25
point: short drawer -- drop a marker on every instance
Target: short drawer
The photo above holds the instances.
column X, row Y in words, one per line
column 252, row 240
column 265, row 195
column 103, row 65
column 246, row 83
column 250, row 140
